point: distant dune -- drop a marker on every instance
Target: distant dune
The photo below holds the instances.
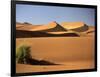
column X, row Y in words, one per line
column 72, row 25
column 27, row 27
column 76, row 26
column 52, row 29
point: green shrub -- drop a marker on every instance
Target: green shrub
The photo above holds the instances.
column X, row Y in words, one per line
column 23, row 54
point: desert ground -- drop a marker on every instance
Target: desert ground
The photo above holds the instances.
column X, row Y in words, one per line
column 73, row 65
column 70, row 53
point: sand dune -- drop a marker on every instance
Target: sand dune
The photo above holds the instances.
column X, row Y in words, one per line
column 52, row 26
column 27, row 27
column 53, row 29
column 76, row 26
column 90, row 31
column 72, row 25
column 91, row 28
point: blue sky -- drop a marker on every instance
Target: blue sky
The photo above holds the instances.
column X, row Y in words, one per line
column 37, row 14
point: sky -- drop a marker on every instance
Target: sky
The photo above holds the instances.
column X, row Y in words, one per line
column 39, row 14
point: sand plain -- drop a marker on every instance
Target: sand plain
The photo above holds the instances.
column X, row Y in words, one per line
column 69, row 52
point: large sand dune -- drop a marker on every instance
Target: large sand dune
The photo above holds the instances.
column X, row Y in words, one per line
column 76, row 26
column 72, row 25
column 53, row 29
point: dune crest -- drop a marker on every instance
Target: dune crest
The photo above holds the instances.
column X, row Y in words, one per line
column 72, row 25
column 27, row 27
column 75, row 26
column 51, row 27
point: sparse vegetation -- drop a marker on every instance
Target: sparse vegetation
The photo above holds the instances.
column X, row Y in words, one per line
column 23, row 54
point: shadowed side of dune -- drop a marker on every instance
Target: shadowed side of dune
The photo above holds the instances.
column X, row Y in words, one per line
column 50, row 27
column 81, row 29
column 28, row 34
column 75, row 26
column 55, row 29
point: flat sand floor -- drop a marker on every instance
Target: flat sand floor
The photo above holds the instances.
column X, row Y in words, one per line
column 70, row 52
column 76, row 65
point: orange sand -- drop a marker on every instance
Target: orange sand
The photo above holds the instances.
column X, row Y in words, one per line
column 70, row 52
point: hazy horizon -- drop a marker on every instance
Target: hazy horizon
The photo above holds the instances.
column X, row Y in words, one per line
column 37, row 14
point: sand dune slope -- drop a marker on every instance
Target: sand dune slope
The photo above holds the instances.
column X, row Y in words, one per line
column 30, row 34
column 27, row 27
column 51, row 27
column 76, row 26
column 54, row 29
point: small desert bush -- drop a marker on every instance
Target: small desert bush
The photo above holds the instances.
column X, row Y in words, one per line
column 23, row 54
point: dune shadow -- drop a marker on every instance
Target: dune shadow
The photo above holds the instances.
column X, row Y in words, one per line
column 29, row 34
column 39, row 62
column 23, row 56
column 81, row 29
